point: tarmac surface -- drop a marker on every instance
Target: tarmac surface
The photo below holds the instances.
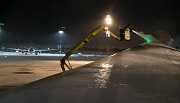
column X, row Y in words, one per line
column 148, row 73
column 17, row 69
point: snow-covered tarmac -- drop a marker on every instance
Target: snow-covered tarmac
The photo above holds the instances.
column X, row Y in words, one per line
column 17, row 69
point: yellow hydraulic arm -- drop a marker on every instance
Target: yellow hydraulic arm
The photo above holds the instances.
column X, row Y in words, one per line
column 81, row 43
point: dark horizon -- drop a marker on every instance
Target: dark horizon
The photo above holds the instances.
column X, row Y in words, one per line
column 38, row 22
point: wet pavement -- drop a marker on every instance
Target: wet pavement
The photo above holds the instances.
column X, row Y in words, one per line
column 149, row 73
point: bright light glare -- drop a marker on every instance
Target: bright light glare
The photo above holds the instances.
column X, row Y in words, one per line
column 127, row 34
column 108, row 19
column 61, row 32
column 106, row 28
column 106, row 65
column 107, row 33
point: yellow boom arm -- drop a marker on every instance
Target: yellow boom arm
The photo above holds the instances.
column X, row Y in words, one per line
column 81, row 43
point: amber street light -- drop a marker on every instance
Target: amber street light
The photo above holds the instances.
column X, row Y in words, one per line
column 108, row 19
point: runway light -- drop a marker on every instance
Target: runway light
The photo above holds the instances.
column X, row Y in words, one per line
column 79, row 53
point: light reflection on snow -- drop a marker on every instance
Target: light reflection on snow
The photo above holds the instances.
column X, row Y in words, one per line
column 103, row 75
column 106, row 66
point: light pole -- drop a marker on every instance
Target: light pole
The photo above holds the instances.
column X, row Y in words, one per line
column 1, row 24
column 108, row 21
column 60, row 33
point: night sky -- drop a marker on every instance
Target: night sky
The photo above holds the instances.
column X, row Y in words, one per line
column 37, row 22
